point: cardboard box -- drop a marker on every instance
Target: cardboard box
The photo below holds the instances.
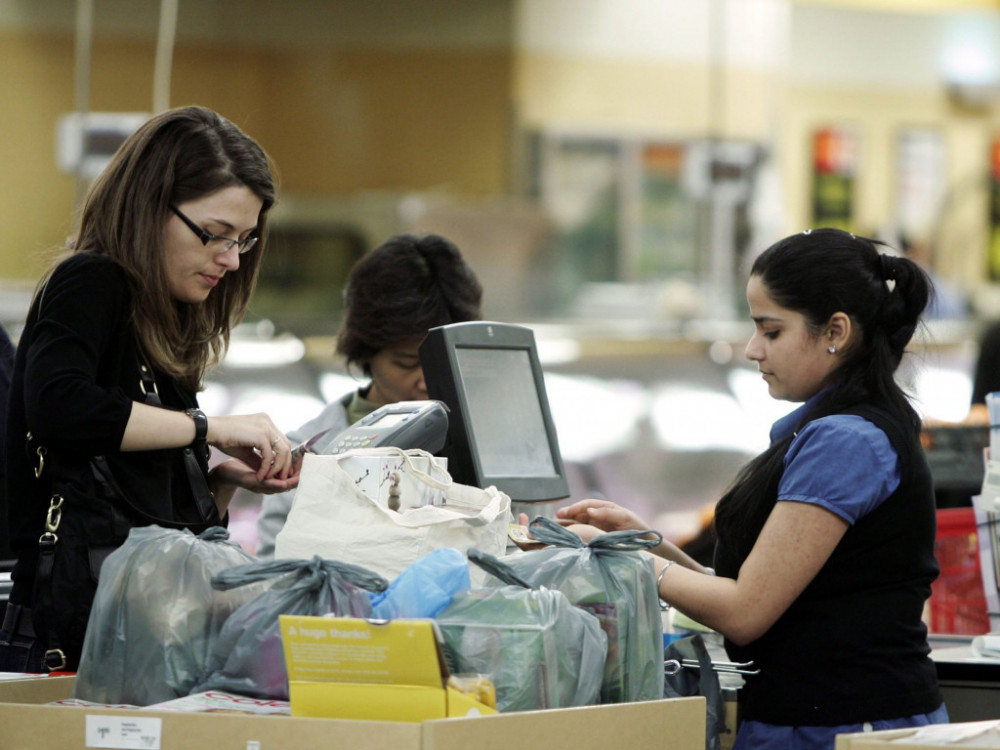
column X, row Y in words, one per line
column 935, row 737
column 352, row 668
column 673, row 724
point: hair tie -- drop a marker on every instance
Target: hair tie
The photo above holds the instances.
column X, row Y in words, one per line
column 888, row 264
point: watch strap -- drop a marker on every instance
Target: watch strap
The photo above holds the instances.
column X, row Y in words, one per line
column 200, row 423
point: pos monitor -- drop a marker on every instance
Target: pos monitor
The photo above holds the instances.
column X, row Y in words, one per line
column 500, row 430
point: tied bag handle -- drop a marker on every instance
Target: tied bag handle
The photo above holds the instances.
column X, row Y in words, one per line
column 547, row 531
column 309, row 574
column 496, row 568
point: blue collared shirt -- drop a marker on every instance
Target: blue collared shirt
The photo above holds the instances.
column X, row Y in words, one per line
column 842, row 462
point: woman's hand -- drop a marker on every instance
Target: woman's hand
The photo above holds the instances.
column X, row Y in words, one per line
column 254, row 438
column 585, row 531
column 237, row 474
column 604, row 514
column 225, row 477
column 259, row 445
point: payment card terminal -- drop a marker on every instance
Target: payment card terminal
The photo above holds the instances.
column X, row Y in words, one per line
column 405, row 424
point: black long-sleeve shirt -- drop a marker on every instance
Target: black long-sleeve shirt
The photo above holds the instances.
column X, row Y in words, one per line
column 6, row 368
column 76, row 377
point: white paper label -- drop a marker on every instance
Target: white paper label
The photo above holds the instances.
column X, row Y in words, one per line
column 124, row 732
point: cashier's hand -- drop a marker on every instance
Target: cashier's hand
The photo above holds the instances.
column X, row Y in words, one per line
column 602, row 514
column 524, row 540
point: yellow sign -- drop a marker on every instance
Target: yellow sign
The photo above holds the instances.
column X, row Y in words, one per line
column 352, row 668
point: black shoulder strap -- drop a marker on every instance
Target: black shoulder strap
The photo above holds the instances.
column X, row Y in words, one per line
column 192, row 466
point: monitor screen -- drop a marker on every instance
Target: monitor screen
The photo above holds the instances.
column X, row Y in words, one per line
column 500, row 430
column 505, row 413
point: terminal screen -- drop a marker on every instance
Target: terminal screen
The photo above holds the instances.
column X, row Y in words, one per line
column 505, row 412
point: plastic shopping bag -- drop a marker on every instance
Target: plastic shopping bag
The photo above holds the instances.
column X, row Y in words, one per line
column 609, row 578
column 156, row 616
column 248, row 658
column 334, row 518
column 538, row 649
column 424, row 588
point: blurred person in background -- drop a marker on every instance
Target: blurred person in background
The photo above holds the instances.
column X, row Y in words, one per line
column 825, row 552
column 104, row 432
column 394, row 295
column 986, row 377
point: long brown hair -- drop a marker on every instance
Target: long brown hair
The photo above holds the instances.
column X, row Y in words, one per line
column 179, row 155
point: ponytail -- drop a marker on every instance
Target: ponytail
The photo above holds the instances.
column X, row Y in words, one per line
column 817, row 274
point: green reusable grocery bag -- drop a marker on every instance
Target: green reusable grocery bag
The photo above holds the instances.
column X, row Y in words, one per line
column 609, row 577
column 538, row 649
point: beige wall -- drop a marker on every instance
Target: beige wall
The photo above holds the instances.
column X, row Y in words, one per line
column 336, row 119
column 645, row 98
column 351, row 97
column 692, row 74
column 667, row 100
column 35, row 201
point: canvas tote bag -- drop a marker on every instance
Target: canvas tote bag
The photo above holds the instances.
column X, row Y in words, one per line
column 333, row 518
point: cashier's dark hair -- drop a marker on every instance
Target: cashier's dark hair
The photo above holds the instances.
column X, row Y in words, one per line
column 401, row 289
column 818, row 273
column 179, row 155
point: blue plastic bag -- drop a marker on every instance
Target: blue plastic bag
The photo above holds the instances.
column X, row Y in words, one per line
column 425, row 587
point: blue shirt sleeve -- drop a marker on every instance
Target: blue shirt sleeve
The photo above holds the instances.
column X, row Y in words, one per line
column 843, row 463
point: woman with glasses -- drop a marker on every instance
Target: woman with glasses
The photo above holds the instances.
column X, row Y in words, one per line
column 394, row 295
column 104, row 431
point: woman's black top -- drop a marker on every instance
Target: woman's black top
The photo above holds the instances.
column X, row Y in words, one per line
column 76, row 377
column 852, row 647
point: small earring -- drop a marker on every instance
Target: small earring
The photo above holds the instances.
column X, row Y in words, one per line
column 832, row 350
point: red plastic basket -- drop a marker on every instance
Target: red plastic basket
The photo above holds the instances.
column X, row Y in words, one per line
column 958, row 603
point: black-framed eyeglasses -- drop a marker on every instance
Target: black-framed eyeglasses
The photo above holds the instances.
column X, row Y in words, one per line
column 224, row 244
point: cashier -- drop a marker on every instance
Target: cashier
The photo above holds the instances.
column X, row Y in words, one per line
column 825, row 552
column 394, row 295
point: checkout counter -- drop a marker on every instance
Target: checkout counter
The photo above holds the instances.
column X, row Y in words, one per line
column 970, row 683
